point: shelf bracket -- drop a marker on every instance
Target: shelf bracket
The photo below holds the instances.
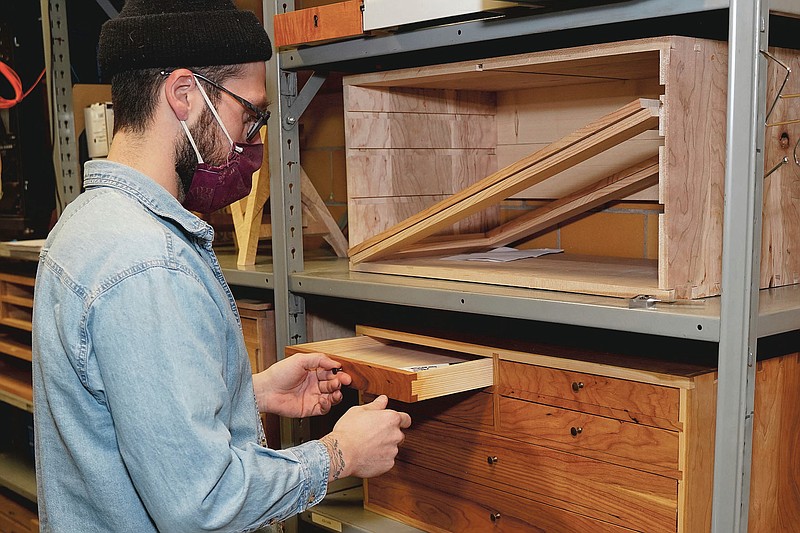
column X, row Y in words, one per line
column 295, row 107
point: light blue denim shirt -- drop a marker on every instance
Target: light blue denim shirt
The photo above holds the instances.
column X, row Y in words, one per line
column 145, row 415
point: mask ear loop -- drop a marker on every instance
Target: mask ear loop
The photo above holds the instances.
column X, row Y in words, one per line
column 216, row 115
column 191, row 141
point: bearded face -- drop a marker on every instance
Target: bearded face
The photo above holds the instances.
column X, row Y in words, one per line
column 206, row 133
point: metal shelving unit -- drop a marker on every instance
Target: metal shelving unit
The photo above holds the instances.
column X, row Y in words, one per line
column 734, row 321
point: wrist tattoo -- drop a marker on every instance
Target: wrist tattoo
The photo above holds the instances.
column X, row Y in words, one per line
column 336, row 455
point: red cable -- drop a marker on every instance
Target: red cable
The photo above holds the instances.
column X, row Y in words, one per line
column 16, row 84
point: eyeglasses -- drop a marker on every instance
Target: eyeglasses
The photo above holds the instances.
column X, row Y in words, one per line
column 261, row 117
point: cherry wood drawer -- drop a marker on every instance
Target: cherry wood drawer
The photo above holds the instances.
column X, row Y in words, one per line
column 623, row 496
column 644, row 447
column 641, row 403
column 439, row 503
column 402, row 370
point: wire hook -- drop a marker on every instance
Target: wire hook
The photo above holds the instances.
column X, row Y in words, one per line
column 780, row 94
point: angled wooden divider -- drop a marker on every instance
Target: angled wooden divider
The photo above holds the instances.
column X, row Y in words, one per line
column 248, row 213
column 622, row 184
column 314, row 206
column 598, row 136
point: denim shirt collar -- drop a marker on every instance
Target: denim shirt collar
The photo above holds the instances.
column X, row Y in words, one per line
column 154, row 197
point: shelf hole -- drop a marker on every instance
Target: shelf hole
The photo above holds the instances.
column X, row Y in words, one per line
column 459, row 32
column 699, row 327
column 462, row 300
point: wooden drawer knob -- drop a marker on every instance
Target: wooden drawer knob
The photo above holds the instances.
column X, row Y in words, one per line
column 494, row 517
column 577, row 385
column 575, row 431
column 492, row 459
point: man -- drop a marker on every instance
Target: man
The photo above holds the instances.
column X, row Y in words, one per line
column 146, row 412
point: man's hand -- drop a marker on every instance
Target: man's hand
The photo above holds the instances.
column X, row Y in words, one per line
column 364, row 441
column 299, row 386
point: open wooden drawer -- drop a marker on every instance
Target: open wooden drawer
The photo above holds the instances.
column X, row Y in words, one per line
column 404, row 366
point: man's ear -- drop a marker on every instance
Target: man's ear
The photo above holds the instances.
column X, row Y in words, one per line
column 178, row 90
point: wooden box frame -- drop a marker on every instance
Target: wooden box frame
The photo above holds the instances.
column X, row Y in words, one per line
column 420, row 143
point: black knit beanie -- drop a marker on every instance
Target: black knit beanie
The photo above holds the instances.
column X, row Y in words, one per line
column 180, row 33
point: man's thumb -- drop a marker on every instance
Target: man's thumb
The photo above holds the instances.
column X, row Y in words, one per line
column 378, row 403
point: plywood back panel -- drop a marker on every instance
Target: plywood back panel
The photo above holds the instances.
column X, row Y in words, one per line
column 369, row 216
column 530, row 119
column 409, row 148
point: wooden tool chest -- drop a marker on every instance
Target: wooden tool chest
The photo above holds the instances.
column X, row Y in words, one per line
column 570, row 440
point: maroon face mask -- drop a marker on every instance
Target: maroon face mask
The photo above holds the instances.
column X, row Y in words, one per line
column 214, row 187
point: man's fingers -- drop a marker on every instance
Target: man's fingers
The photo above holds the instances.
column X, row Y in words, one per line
column 405, row 420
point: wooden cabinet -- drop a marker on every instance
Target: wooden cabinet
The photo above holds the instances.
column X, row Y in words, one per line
column 17, row 475
column 570, row 440
column 258, row 329
column 16, row 312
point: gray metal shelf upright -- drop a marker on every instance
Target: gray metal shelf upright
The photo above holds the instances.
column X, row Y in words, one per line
column 735, row 320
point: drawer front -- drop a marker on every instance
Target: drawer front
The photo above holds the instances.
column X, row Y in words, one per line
column 623, row 496
column 627, row 400
column 644, row 447
column 439, row 503
column 403, row 371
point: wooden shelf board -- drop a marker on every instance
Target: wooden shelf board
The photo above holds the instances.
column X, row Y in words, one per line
column 24, row 325
column 16, row 385
column 18, row 474
column 606, row 276
column 28, row 281
column 11, row 346
column 17, row 300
